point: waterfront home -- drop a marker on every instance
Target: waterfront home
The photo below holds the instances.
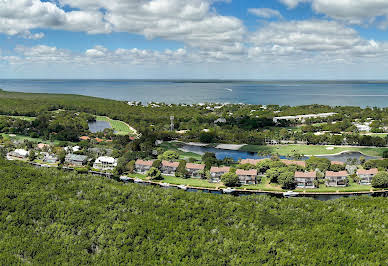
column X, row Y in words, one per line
column 142, row 167
column 18, row 154
column 251, row 161
column 50, row 158
column 105, row 163
column 217, row 172
column 169, row 168
column 291, row 162
column 75, row 159
column 305, row 179
column 247, row 177
column 366, row 176
column 336, row 179
column 195, row 170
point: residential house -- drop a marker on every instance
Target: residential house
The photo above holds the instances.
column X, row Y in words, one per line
column 169, row 168
column 195, row 170
column 18, row 154
column 251, row 161
column 336, row 179
column 105, row 163
column 305, row 179
column 217, row 172
column 75, row 159
column 50, row 158
column 366, row 175
column 142, row 167
column 291, row 162
column 247, row 177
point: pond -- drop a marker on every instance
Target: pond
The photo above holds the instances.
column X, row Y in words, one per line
column 98, row 126
column 221, row 153
column 236, row 155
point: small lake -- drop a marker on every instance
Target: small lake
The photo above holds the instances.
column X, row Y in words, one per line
column 236, row 155
column 98, row 126
column 221, row 153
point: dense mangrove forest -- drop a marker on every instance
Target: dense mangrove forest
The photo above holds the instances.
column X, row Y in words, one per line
column 54, row 217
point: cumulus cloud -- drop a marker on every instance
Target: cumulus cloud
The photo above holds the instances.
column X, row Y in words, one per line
column 265, row 12
column 20, row 16
column 351, row 11
column 194, row 22
column 313, row 38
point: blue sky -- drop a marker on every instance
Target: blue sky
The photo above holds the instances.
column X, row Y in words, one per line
column 245, row 39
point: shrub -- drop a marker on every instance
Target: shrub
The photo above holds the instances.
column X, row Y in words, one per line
column 380, row 180
column 181, row 170
column 154, row 174
column 286, row 180
column 230, row 179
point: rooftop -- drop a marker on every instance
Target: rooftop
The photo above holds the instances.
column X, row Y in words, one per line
column 252, row 172
column 219, row 169
column 305, row 174
column 170, row 164
column 372, row 171
column 195, row 166
column 336, row 174
column 145, row 163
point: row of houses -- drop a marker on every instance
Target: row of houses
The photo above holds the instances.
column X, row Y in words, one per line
column 334, row 179
column 101, row 163
column 196, row 171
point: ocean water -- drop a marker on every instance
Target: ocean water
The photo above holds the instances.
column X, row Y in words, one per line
column 355, row 93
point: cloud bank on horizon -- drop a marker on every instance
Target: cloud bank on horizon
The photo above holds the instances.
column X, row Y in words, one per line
column 314, row 39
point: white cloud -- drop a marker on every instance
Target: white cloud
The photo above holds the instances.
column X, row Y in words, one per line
column 265, row 12
column 193, row 22
column 351, row 11
column 312, row 38
column 20, row 16
column 32, row 36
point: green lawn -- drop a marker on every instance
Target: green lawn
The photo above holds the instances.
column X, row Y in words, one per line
column 182, row 155
column 120, row 127
column 310, row 149
column 21, row 137
column 27, row 118
column 264, row 185
column 181, row 181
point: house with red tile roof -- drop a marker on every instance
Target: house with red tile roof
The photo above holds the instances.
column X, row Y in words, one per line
column 217, row 172
column 142, row 166
column 251, row 161
column 195, row 170
column 291, row 162
column 366, row 176
column 305, row 179
column 169, row 168
column 336, row 179
column 84, row 138
column 247, row 177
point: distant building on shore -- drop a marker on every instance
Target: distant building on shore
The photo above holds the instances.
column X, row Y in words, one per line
column 302, row 118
